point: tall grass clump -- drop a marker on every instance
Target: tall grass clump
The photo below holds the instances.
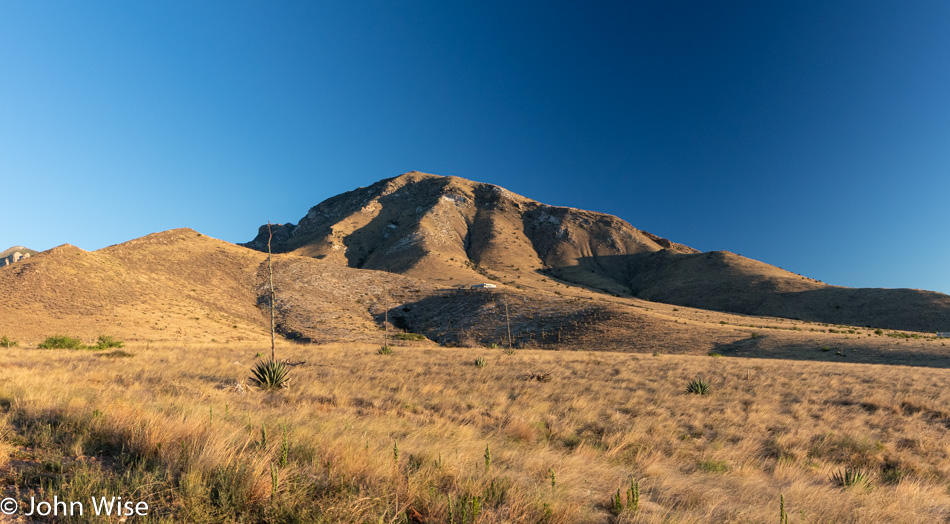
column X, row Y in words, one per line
column 6, row 342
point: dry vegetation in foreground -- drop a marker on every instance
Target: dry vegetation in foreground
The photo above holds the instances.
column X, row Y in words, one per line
column 426, row 435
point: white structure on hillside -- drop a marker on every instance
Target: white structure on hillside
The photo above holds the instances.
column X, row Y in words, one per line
column 484, row 286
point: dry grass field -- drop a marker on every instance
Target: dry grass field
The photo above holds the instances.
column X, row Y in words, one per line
column 425, row 435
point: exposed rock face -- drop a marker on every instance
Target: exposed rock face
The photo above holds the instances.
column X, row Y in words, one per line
column 14, row 254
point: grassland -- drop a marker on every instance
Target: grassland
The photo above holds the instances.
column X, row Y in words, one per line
column 425, row 435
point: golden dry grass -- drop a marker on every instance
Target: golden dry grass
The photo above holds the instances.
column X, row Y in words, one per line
column 768, row 428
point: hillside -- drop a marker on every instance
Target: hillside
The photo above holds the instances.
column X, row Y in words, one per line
column 452, row 231
column 182, row 286
column 175, row 285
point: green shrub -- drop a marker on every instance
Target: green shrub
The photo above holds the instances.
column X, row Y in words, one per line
column 6, row 342
column 698, row 387
column 409, row 336
column 107, row 342
column 270, row 374
column 480, row 362
column 384, row 350
column 61, row 342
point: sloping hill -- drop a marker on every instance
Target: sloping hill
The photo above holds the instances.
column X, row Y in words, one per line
column 175, row 285
column 183, row 286
column 449, row 230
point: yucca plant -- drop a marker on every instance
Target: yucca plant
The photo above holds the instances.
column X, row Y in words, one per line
column 849, row 477
column 480, row 362
column 270, row 374
column 698, row 387
column 385, row 350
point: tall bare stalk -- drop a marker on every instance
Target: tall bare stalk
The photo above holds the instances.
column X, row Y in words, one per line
column 507, row 321
column 270, row 270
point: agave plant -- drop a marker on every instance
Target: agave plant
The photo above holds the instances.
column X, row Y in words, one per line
column 385, row 350
column 698, row 387
column 849, row 477
column 480, row 362
column 270, row 374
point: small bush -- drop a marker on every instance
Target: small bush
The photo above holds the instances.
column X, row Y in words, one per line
column 6, row 342
column 480, row 362
column 698, row 387
column 61, row 342
column 270, row 374
column 107, row 342
column 384, row 350
column 117, row 354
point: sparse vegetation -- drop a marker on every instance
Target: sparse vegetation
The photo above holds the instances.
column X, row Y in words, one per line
column 480, row 362
column 385, row 350
column 6, row 342
column 237, row 468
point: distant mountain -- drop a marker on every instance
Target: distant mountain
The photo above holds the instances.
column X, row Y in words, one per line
column 452, row 230
column 14, row 254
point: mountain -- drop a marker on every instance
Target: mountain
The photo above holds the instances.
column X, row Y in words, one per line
column 449, row 230
column 405, row 253
column 14, row 254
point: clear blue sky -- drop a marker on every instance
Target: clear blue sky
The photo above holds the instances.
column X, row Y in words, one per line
column 810, row 135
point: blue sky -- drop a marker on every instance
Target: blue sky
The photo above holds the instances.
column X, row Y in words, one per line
column 810, row 135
